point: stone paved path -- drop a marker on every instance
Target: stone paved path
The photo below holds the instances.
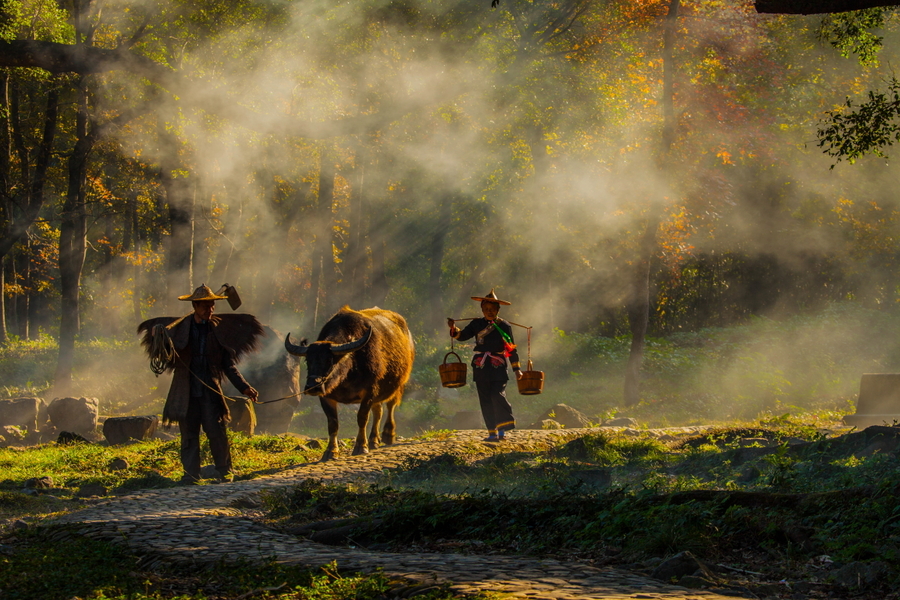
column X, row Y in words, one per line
column 203, row 524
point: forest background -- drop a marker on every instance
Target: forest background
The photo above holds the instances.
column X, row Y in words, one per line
column 630, row 174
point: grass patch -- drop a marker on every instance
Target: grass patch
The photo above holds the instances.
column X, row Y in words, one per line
column 781, row 495
column 34, row 566
column 150, row 464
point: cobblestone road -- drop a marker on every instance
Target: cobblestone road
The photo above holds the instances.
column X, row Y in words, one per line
column 203, row 524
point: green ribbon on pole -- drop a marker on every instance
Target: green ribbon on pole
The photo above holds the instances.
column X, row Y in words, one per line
column 509, row 343
column 502, row 333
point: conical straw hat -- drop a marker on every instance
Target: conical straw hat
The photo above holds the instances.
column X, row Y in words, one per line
column 491, row 297
column 202, row 293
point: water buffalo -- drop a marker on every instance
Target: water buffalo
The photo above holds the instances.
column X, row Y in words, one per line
column 361, row 357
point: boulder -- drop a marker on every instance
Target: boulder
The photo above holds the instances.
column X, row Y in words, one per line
column 75, row 415
column 598, row 478
column 12, row 434
column 39, row 483
column 21, row 412
column 118, row 430
column 89, row 490
column 680, row 565
column 209, row 472
column 621, row 422
column 565, row 415
column 118, row 464
column 860, row 575
column 165, row 436
column 68, row 437
column 243, row 416
column 548, row 424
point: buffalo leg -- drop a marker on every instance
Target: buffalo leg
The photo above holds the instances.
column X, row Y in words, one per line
column 374, row 436
column 362, row 418
column 329, row 407
column 390, row 427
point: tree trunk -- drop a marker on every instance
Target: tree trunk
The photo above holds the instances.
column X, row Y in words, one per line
column 5, row 205
column 331, row 285
column 638, row 306
column 817, row 7
column 202, row 200
column 4, row 333
column 222, row 265
column 178, row 255
column 438, row 318
column 380, row 286
column 22, row 275
column 638, row 309
column 130, row 242
column 72, row 245
column 355, row 255
column 291, row 202
column 322, row 258
column 179, row 201
column 16, row 226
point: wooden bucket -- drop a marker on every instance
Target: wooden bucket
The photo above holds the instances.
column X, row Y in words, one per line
column 532, row 381
column 453, row 375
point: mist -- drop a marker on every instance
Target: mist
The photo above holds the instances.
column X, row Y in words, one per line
column 412, row 154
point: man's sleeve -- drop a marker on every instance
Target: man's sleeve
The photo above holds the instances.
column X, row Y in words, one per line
column 231, row 371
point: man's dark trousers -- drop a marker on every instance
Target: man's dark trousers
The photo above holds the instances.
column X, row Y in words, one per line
column 204, row 412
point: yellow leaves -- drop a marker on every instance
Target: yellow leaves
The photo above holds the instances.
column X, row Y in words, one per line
column 148, row 260
column 725, row 157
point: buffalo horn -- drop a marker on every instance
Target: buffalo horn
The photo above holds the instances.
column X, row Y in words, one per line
column 293, row 349
column 342, row 349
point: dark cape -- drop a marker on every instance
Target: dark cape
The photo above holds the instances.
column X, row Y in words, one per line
column 231, row 336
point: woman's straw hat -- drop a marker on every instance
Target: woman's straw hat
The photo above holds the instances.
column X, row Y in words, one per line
column 202, row 293
column 491, row 297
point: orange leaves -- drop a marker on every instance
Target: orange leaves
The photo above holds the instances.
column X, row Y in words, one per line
column 873, row 228
column 147, row 260
column 674, row 235
column 639, row 11
column 725, row 157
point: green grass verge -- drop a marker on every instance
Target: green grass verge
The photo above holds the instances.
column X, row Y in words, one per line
column 712, row 494
column 36, row 566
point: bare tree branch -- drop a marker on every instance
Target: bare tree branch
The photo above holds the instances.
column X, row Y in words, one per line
column 817, row 7
column 84, row 60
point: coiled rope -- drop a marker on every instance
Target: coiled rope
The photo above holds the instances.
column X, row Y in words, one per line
column 162, row 350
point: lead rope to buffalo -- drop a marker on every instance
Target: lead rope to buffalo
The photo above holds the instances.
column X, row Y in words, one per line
column 163, row 355
column 318, row 384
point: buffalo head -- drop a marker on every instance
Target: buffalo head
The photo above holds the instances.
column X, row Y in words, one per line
column 323, row 358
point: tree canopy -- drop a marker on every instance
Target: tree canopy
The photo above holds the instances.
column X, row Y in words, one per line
column 411, row 154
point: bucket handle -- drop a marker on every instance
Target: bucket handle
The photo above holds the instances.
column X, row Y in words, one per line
column 454, row 354
column 530, row 365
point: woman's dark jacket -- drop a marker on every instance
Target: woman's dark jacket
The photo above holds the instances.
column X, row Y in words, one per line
column 489, row 340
